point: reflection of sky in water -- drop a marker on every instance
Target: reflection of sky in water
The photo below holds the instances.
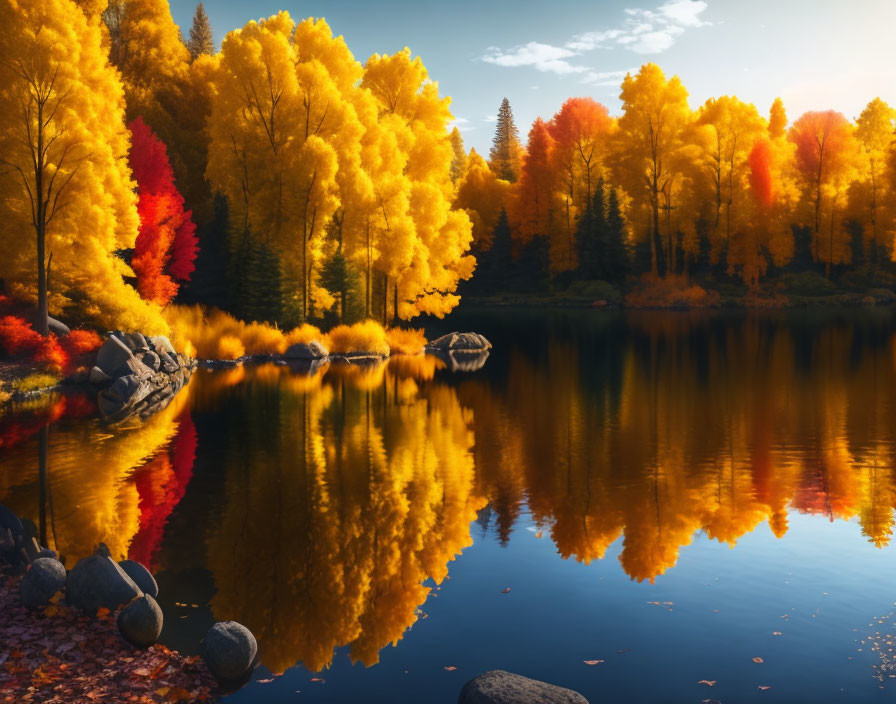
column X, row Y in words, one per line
column 325, row 512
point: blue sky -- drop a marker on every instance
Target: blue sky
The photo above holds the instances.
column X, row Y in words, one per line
column 815, row 54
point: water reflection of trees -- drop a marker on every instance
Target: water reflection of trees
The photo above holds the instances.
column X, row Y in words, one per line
column 715, row 425
column 327, row 500
column 340, row 503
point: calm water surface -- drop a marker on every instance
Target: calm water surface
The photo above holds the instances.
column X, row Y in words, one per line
column 670, row 495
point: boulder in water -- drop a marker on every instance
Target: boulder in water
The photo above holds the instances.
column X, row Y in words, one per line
column 97, row 581
column 44, row 578
column 112, row 355
column 500, row 687
column 140, row 622
column 460, row 342
column 229, row 650
column 307, row 350
column 142, row 577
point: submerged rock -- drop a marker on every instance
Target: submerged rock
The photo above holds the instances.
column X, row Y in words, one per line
column 500, row 687
column 97, row 581
column 140, row 622
column 307, row 350
column 142, row 577
column 229, row 650
column 44, row 578
column 460, row 341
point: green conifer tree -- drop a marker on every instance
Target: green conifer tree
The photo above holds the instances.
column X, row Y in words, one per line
column 506, row 154
column 201, row 40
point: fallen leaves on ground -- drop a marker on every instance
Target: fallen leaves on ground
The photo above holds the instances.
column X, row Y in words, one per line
column 55, row 655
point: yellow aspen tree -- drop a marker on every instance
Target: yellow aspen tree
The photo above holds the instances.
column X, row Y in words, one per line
column 874, row 132
column 655, row 113
column 68, row 201
column 483, row 196
column 459, row 163
column 420, row 119
column 726, row 129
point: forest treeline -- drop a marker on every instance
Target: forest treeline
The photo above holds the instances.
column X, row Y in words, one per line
column 720, row 194
column 281, row 180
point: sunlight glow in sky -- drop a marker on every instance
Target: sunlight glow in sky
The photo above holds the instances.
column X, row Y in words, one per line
column 815, row 54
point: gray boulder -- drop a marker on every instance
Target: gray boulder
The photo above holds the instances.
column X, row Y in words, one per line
column 140, row 622
column 97, row 581
column 160, row 344
column 460, row 341
column 98, row 377
column 307, row 350
column 500, row 687
column 141, row 576
column 112, row 356
column 229, row 650
column 43, row 579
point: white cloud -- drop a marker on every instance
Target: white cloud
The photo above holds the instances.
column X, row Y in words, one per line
column 462, row 124
column 490, row 118
column 642, row 31
column 543, row 57
column 606, row 78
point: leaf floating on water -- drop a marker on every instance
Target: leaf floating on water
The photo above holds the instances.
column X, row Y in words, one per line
column 593, row 662
column 267, row 681
column 708, row 683
column 710, row 701
column 764, row 687
column 624, row 650
column 506, row 590
column 758, row 660
column 320, row 680
column 777, row 633
column 450, row 668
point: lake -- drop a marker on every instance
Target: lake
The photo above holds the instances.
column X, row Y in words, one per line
column 644, row 507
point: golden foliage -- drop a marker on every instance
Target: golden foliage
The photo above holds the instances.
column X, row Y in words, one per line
column 405, row 340
column 367, row 336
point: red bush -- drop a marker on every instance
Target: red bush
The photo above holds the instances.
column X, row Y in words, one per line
column 19, row 339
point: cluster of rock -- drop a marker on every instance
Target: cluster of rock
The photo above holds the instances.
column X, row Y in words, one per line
column 137, row 375
column 128, row 587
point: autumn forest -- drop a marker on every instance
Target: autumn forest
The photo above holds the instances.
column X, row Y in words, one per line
column 282, row 181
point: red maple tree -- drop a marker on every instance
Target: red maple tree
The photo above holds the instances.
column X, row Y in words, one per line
column 166, row 246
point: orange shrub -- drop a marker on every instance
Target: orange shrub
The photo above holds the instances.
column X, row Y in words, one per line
column 229, row 347
column 405, row 341
column 670, row 291
column 303, row 334
column 367, row 336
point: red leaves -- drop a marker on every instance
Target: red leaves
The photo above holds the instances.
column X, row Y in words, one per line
column 166, row 245
column 760, row 163
column 68, row 658
column 19, row 339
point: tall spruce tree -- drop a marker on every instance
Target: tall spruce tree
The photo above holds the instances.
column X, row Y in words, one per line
column 505, row 157
column 591, row 236
column 617, row 257
column 459, row 162
column 344, row 283
column 201, row 40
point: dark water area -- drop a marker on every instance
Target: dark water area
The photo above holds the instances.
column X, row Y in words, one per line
column 672, row 500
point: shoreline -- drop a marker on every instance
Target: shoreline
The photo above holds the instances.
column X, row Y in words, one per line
column 57, row 655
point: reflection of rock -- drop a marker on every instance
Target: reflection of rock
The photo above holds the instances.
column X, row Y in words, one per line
column 229, row 650
column 42, row 581
column 307, row 351
column 308, row 367
column 500, row 687
column 140, row 622
column 463, row 360
column 467, row 341
column 141, row 375
column 98, row 581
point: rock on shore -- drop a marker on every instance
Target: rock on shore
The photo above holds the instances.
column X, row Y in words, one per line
column 137, row 375
column 460, row 342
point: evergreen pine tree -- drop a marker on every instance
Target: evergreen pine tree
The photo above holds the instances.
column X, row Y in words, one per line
column 459, row 163
column 617, row 257
column 591, row 237
column 530, row 272
column 506, row 154
column 344, row 284
column 208, row 285
column 201, row 40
